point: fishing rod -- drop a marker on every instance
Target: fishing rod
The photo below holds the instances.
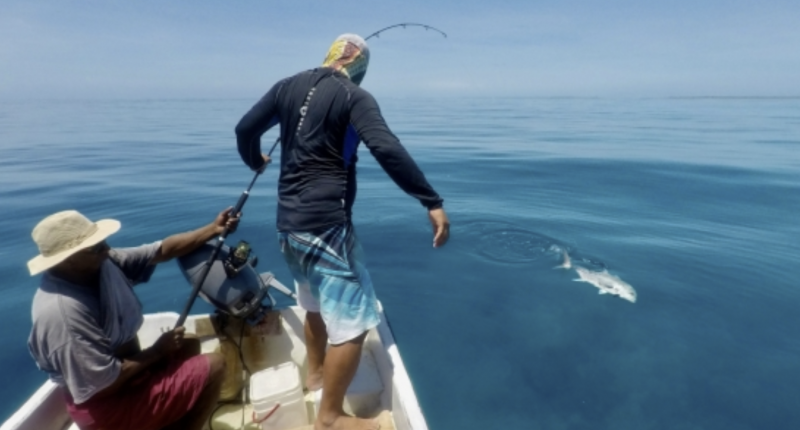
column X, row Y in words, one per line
column 404, row 25
column 220, row 241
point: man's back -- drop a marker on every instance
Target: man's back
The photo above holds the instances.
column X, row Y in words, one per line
column 67, row 340
column 323, row 116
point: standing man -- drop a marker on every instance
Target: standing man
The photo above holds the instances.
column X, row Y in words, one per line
column 323, row 114
column 85, row 320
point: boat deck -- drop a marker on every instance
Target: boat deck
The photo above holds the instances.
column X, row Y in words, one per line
column 249, row 350
column 380, row 389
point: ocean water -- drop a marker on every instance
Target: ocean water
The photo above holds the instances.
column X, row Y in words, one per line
column 693, row 202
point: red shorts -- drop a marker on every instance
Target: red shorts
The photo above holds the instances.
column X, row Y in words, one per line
column 152, row 401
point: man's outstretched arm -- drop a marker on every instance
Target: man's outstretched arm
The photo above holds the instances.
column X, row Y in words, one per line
column 398, row 164
column 183, row 243
column 389, row 152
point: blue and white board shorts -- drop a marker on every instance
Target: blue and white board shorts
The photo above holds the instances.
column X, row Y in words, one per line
column 331, row 278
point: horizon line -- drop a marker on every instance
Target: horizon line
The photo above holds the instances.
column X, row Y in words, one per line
column 394, row 96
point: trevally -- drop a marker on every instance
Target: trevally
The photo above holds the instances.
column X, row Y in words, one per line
column 607, row 283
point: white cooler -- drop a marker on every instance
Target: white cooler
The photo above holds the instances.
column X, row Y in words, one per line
column 277, row 397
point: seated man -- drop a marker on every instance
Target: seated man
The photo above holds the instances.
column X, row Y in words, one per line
column 85, row 320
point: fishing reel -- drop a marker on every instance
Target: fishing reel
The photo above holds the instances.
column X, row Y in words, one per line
column 239, row 259
column 232, row 284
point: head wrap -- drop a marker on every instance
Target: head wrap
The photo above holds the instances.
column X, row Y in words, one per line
column 349, row 54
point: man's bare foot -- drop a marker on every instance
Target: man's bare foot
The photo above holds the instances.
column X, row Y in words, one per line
column 314, row 380
column 346, row 422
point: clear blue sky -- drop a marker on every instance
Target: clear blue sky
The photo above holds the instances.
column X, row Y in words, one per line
column 198, row 48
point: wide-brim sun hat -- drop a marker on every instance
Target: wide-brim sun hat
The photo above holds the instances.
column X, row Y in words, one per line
column 64, row 233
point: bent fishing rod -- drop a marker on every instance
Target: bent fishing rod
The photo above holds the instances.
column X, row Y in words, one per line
column 220, row 241
column 404, row 25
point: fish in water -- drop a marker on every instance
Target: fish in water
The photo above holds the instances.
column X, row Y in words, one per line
column 607, row 283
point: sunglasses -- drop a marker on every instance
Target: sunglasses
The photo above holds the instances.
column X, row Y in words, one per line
column 97, row 248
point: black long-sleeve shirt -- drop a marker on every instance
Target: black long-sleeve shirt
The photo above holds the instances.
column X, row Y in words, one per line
column 322, row 117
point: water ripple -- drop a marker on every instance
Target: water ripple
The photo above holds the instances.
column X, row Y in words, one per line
column 507, row 243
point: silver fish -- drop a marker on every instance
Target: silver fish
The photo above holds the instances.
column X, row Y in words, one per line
column 607, row 283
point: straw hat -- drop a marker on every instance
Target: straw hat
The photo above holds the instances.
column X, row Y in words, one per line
column 64, row 233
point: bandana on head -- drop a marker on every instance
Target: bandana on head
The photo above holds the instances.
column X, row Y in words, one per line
column 349, row 54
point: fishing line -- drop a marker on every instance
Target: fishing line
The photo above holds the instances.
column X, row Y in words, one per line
column 404, row 25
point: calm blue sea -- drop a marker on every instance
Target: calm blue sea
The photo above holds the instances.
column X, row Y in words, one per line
column 693, row 202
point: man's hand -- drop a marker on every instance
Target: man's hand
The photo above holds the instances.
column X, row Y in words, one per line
column 133, row 367
column 267, row 160
column 441, row 226
column 181, row 244
column 169, row 342
column 227, row 219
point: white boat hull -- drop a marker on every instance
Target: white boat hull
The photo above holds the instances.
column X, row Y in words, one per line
column 45, row 409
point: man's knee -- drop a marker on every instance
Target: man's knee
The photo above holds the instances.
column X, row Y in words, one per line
column 190, row 347
column 315, row 319
column 217, row 367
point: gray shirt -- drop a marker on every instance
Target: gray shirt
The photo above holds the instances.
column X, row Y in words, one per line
column 68, row 339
